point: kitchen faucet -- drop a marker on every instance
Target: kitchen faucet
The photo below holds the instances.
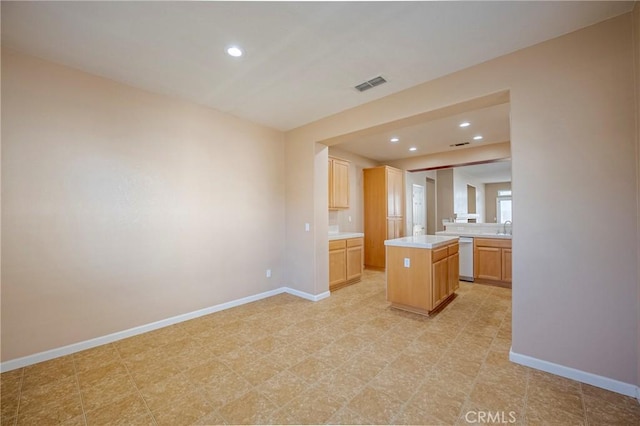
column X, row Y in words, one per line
column 504, row 229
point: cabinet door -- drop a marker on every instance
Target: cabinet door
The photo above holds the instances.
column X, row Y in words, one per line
column 506, row 265
column 398, row 194
column 440, row 275
column 488, row 263
column 340, row 184
column 395, row 192
column 454, row 273
column 391, row 185
column 354, row 262
column 337, row 267
column 394, row 227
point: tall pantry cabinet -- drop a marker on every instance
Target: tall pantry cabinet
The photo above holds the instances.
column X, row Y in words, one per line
column 383, row 211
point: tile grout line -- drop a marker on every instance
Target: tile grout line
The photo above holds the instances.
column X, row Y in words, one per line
column 153, row 417
column 584, row 405
column 484, row 360
column 424, row 379
column 234, row 371
column 523, row 417
column 475, row 315
column 75, row 375
column 315, row 384
column 15, row 421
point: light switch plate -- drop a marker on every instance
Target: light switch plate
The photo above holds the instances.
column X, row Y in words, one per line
column 407, row 262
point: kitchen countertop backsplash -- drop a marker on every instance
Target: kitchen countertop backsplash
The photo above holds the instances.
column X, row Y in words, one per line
column 486, row 230
column 335, row 234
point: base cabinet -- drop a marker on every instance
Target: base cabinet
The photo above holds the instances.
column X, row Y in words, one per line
column 506, row 265
column 489, row 261
column 337, row 263
column 429, row 280
column 440, row 280
column 492, row 259
column 346, row 262
column 454, row 273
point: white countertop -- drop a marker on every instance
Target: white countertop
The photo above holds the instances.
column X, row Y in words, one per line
column 422, row 241
column 474, row 234
column 344, row 235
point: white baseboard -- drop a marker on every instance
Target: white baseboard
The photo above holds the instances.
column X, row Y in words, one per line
column 613, row 385
column 308, row 296
column 113, row 337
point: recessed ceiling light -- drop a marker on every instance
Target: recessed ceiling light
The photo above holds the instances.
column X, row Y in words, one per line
column 234, row 51
column 394, row 140
column 413, row 148
column 477, row 138
column 465, row 124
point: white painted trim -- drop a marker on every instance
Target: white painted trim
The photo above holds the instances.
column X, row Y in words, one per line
column 308, row 296
column 114, row 337
column 613, row 385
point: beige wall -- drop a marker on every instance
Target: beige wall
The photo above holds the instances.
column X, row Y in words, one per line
column 636, row 39
column 444, row 197
column 121, row 207
column 491, row 193
column 356, row 192
column 575, row 280
column 461, row 196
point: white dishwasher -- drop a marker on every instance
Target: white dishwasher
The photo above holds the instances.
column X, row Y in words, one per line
column 466, row 258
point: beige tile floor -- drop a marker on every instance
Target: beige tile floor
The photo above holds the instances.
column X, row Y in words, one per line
column 348, row 359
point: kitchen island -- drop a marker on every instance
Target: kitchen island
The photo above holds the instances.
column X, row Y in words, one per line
column 422, row 272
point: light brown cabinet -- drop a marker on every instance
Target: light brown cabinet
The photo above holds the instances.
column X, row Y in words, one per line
column 383, row 211
column 492, row 259
column 454, row 268
column 337, row 263
column 338, row 184
column 506, row 265
column 427, row 283
column 345, row 262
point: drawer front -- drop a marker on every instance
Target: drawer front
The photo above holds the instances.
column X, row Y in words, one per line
column 355, row 242
column 453, row 249
column 439, row 254
column 492, row 242
column 337, row 244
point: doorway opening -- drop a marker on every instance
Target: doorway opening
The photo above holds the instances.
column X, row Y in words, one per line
column 419, row 211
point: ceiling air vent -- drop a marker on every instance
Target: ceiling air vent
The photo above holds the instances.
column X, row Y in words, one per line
column 459, row 144
column 377, row 81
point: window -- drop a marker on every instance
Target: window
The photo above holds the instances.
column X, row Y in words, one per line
column 503, row 206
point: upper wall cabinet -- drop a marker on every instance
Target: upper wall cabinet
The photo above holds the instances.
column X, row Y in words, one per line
column 338, row 184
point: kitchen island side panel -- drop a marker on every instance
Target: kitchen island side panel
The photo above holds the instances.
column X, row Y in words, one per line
column 409, row 286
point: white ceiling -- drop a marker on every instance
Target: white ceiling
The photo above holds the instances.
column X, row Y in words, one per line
column 492, row 123
column 302, row 58
column 499, row 171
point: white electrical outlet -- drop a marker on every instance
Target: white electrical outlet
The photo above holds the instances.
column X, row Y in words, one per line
column 349, row 218
column 307, row 227
column 268, row 273
column 407, row 262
